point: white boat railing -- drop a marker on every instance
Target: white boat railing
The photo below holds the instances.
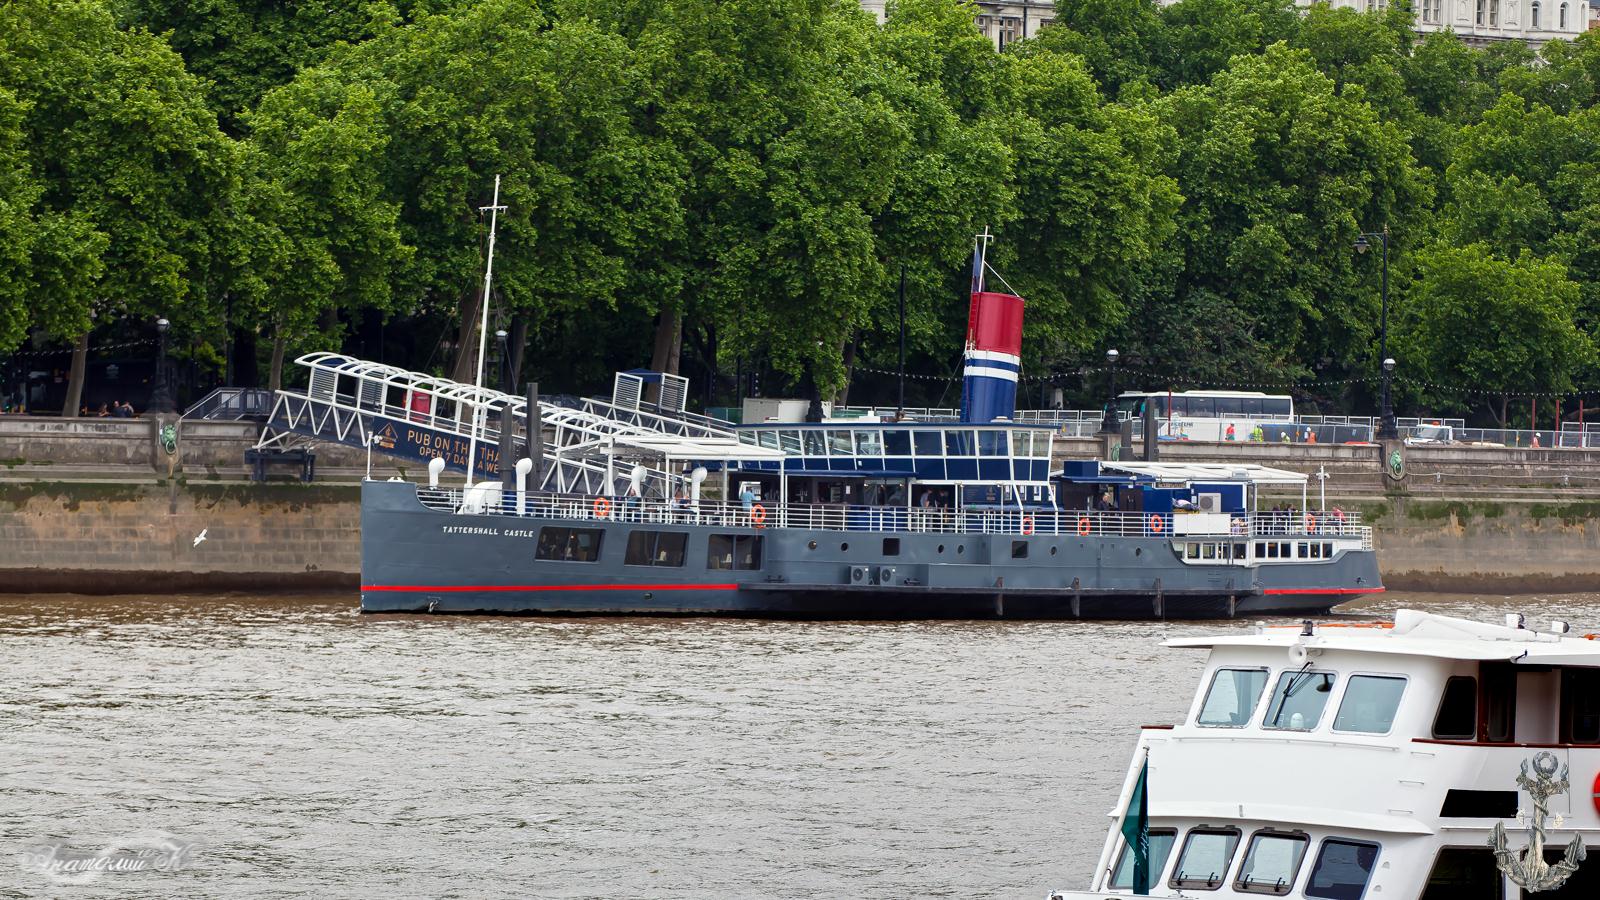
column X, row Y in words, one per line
column 493, row 501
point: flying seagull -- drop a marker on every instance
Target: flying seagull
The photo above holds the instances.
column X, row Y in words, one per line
column 200, row 537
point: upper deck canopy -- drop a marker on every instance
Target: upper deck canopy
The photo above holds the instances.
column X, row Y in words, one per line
column 1421, row 634
column 1205, row 473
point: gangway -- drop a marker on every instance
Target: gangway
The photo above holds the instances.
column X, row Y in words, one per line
column 594, row 447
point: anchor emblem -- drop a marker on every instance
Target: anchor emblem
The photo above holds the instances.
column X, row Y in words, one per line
column 1527, row 867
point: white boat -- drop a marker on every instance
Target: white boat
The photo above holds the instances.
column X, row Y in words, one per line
column 1431, row 758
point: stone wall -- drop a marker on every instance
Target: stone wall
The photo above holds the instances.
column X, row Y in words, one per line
column 1493, row 546
column 136, row 538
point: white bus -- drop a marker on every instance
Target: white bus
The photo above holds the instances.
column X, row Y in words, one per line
column 1207, row 415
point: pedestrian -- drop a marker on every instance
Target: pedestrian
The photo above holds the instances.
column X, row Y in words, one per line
column 103, row 413
column 747, row 499
column 1229, row 435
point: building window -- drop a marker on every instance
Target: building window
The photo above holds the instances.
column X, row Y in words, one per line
column 1563, row 17
column 1430, row 11
column 1010, row 30
column 1494, row 13
column 1536, row 13
column 1480, row 12
column 986, row 25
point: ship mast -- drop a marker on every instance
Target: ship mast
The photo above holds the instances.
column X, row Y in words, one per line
column 493, row 209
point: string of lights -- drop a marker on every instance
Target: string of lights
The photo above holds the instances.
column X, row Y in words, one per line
column 121, row 345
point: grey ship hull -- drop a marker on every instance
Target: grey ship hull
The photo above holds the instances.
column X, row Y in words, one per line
column 416, row 559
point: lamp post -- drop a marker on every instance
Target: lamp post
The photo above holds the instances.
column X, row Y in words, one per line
column 505, row 361
column 1386, row 423
column 161, row 394
column 1108, row 424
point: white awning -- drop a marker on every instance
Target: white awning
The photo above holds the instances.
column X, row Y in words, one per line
column 706, row 448
column 1207, row 473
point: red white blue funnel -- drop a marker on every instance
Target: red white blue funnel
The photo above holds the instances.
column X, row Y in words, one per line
column 993, row 358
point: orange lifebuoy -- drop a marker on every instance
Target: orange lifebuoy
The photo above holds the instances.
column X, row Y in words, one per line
column 1311, row 524
column 1027, row 525
column 1597, row 791
column 1155, row 524
column 602, row 508
column 1083, row 525
column 758, row 515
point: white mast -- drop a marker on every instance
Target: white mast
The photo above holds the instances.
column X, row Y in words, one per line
column 493, row 209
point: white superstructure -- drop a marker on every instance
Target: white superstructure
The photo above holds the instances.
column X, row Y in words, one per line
column 1370, row 761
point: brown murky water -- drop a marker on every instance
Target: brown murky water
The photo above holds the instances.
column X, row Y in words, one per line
column 306, row 750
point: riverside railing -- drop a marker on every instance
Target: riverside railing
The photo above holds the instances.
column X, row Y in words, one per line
column 491, row 500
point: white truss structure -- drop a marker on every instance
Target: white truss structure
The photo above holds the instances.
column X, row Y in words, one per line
column 592, row 448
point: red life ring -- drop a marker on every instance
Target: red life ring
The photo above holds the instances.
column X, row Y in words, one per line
column 758, row 516
column 1083, row 525
column 602, row 508
column 1155, row 524
column 1597, row 791
column 1027, row 525
column 1311, row 524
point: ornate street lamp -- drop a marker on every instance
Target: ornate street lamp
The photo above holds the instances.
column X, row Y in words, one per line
column 1108, row 425
column 1386, row 423
column 161, row 395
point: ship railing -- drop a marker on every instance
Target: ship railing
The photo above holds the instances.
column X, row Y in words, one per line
column 491, row 500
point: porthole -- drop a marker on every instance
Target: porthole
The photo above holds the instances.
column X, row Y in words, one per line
column 812, row 545
column 843, row 547
column 1053, row 551
column 1138, row 551
column 941, row 548
column 961, row 548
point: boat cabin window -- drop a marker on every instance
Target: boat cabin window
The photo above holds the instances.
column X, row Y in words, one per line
column 1161, row 841
column 1583, row 884
column 1019, row 549
column 1342, row 871
column 1231, row 699
column 1580, row 706
column 929, row 442
column 1498, row 708
column 1298, row 700
column 1207, row 853
column 958, row 443
column 816, row 442
column 1458, row 711
column 569, row 544
column 733, row 551
column 656, row 548
column 869, row 443
column 1271, row 862
column 897, row 443
column 992, row 443
column 1369, row 704
column 1464, row 873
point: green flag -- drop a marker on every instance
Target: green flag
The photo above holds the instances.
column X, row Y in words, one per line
column 1136, row 830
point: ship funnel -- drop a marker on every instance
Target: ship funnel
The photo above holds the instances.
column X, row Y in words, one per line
column 695, row 478
column 435, row 468
column 636, row 479
column 993, row 355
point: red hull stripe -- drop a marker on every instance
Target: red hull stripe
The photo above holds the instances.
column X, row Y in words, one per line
column 515, row 588
column 1376, row 590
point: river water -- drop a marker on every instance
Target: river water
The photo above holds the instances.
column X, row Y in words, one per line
column 294, row 748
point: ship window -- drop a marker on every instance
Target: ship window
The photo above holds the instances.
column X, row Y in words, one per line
column 816, row 442
column 1342, row 871
column 1208, row 551
column 1316, row 551
column 1499, row 702
column 839, row 443
column 569, row 544
column 1019, row 549
column 891, row 546
column 869, row 442
column 1207, row 852
column 1464, row 873
column 929, row 443
column 1231, row 699
column 897, row 443
column 1458, row 711
column 1191, row 551
column 1460, row 803
column 992, row 443
column 789, row 442
column 1022, row 443
column 1283, row 550
column 656, row 548
column 1298, row 700
column 769, row 439
column 1327, row 551
column 1580, row 706
column 958, row 443
column 1239, row 550
column 1161, row 841
column 1271, row 863
column 733, row 551
column 1584, row 884
column 1369, row 704
column 1302, row 551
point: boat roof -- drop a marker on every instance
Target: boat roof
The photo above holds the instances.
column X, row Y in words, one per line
column 699, row 447
column 1206, row 473
column 1416, row 633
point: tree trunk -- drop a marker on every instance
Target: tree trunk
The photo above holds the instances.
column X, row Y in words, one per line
column 847, row 352
column 245, row 371
column 668, row 351
column 280, row 343
column 80, row 359
column 466, row 364
column 518, row 346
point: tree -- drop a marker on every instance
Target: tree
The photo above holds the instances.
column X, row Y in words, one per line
column 1122, row 41
column 129, row 168
column 1202, row 35
column 1534, row 345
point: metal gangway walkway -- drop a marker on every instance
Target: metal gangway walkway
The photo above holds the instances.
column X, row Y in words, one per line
column 593, row 447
